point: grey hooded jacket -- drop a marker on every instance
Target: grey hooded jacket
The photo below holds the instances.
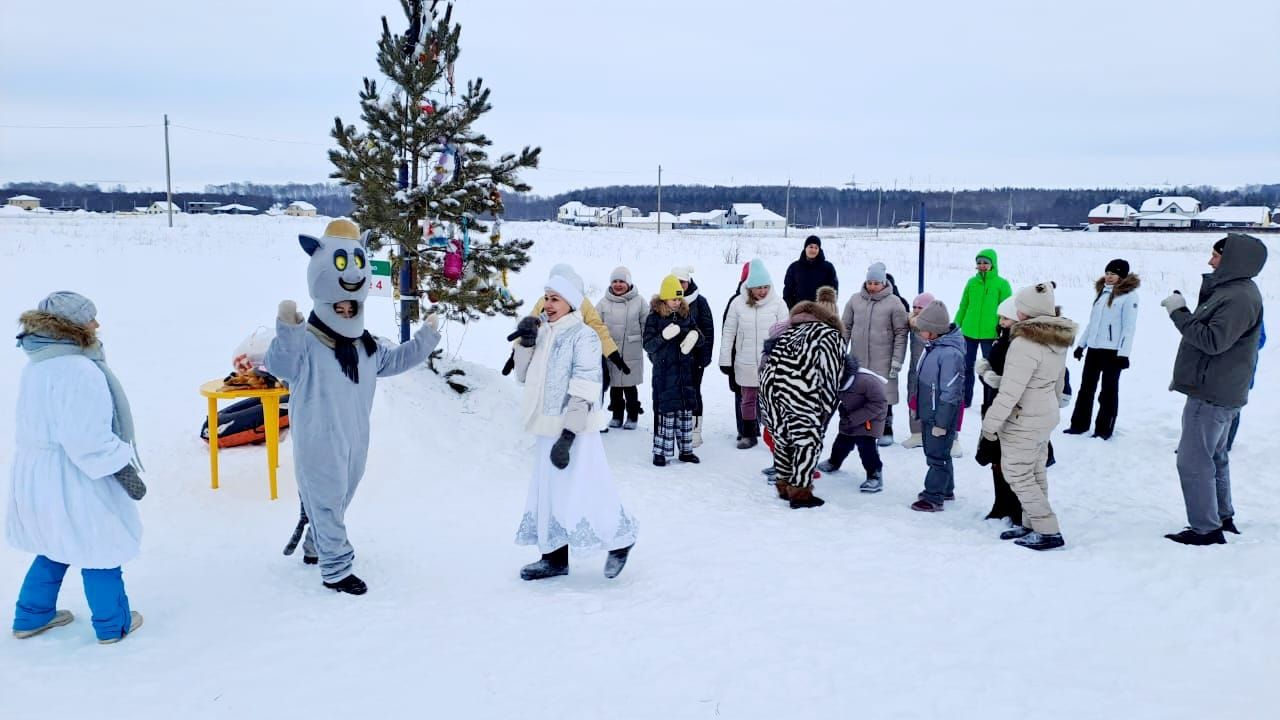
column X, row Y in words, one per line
column 940, row 381
column 1219, row 347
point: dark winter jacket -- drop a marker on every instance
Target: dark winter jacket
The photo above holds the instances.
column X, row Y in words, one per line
column 940, row 381
column 805, row 276
column 894, row 284
column 700, row 311
column 1219, row 347
column 863, row 406
column 673, row 387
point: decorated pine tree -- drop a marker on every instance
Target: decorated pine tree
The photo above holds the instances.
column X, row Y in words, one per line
column 421, row 176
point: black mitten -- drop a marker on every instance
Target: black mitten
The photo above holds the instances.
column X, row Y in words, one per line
column 129, row 480
column 560, row 451
column 1079, row 353
column 526, row 331
column 616, row 358
column 988, row 452
column 510, row 364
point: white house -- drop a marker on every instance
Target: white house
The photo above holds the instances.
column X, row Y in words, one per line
column 299, row 208
column 1113, row 212
column 1163, row 221
column 26, row 202
column 1180, row 204
column 764, row 219
column 162, row 206
column 577, row 213
column 613, row 216
column 708, row 219
column 653, row 221
column 738, row 211
column 1225, row 216
column 234, row 209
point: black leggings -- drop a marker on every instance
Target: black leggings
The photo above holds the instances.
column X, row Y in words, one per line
column 867, row 451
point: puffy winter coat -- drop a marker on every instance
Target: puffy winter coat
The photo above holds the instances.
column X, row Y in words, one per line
column 916, row 346
column 564, row 364
column 700, row 311
column 624, row 316
column 940, row 381
column 1219, row 347
column 976, row 315
column 876, row 327
column 673, row 387
column 805, row 276
column 863, row 407
column 800, row 379
column 592, row 320
column 1114, row 317
column 1032, row 384
column 745, row 329
column 64, row 502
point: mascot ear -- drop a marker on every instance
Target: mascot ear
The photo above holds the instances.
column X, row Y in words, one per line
column 364, row 238
column 309, row 244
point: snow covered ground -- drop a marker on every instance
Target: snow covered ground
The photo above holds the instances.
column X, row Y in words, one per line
column 732, row 605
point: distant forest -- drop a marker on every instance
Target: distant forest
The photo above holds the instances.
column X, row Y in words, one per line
column 818, row 206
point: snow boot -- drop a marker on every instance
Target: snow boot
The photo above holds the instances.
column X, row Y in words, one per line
column 1191, row 537
column 310, row 560
column 697, row 431
column 784, row 490
column 1015, row 532
column 616, row 561
column 552, row 564
column 886, row 439
column 750, row 437
column 1075, row 431
column 660, row 460
column 135, row 622
column 747, row 442
column 60, row 618
column 915, row 441
column 804, row 498
column 630, row 424
column 827, row 466
column 1229, row 525
column 874, row 482
column 350, row 584
column 957, row 450
column 770, row 472
column 949, row 497
column 615, row 422
column 1037, row 541
column 689, row 457
column 922, row 505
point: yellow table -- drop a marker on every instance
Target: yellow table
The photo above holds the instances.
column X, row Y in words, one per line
column 270, row 397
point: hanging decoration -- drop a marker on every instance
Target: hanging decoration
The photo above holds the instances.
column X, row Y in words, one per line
column 495, row 199
column 402, row 176
column 444, row 163
column 449, row 76
column 427, row 107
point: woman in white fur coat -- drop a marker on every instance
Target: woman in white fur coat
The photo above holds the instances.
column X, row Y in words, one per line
column 572, row 498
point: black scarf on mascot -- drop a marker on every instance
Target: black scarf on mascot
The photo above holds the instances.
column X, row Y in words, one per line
column 344, row 348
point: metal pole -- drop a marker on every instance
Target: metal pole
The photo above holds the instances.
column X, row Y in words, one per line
column 953, row 208
column 920, row 275
column 786, row 214
column 659, row 199
column 879, row 196
column 168, row 182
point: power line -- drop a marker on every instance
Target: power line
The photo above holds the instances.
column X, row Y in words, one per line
column 249, row 137
column 77, row 127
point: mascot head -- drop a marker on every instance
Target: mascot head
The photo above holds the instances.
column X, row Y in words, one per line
column 338, row 276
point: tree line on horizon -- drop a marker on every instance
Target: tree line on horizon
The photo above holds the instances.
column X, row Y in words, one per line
column 816, row 206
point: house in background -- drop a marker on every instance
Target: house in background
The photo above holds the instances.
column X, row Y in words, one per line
column 161, row 207
column 26, row 202
column 702, row 220
column 739, row 211
column 764, row 219
column 234, row 209
column 1110, row 213
column 200, row 207
column 1233, row 216
column 579, row 214
column 299, row 208
column 1167, row 212
column 653, row 221
column 613, row 217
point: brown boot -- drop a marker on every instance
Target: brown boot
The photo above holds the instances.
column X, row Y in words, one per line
column 803, row 497
column 784, row 490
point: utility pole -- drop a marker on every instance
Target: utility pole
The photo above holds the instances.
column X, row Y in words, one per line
column 879, row 197
column 168, row 181
column 923, row 225
column 786, row 216
column 953, row 208
column 659, row 199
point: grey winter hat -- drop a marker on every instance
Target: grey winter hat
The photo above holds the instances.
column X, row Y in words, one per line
column 877, row 273
column 620, row 273
column 934, row 319
column 70, row 306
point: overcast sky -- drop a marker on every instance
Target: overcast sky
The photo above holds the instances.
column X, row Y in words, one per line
column 921, row 94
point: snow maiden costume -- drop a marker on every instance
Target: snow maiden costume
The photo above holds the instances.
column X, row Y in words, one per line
column 572, row 498
column 73, row 480
column 332, row 365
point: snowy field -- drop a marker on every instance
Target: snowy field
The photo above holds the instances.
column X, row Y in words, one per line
column 732, row 604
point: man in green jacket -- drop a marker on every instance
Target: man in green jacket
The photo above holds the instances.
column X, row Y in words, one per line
column 976, row 316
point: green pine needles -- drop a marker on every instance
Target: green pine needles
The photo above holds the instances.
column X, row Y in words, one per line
column 422, row 178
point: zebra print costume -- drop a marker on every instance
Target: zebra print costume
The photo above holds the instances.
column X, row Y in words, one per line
column 799, row 379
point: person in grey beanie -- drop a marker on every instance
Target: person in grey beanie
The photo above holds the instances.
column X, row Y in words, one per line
column 75, row 472
column 1214, row 368
column 876, row 329
column 939, row 401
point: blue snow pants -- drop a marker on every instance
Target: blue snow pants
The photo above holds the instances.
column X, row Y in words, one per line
column 104, row 589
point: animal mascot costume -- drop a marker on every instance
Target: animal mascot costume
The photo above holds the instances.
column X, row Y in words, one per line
column 332, row 364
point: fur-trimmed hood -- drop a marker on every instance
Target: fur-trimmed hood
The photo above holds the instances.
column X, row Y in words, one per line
column 659, row 307
column 1127, row 284
column 39, row 322
column 810, row 311
column 1048, row 330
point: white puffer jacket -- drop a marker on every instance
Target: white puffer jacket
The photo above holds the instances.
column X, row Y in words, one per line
column 746, row 327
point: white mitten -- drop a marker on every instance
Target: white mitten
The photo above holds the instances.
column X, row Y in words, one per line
column 288, row 313
column 982, row 366
column 670, row 331
column 686, row 345
column 991, row 379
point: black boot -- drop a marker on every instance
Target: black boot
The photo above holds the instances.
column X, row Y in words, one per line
column 689, row 457
column 660, row 460
column 350, row 584
column 1229, row 525
column 1037, row 541
column 552, row 564
column 751, row 431
column 616, row 561
column 1015, row 532
column 1191, row 537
